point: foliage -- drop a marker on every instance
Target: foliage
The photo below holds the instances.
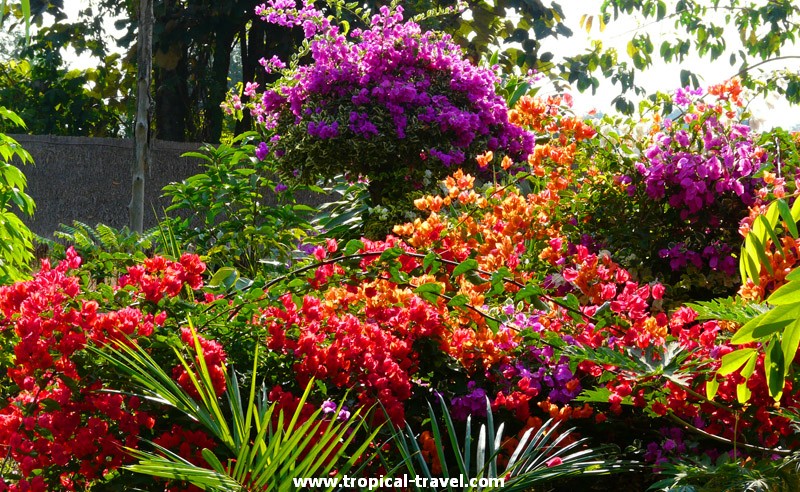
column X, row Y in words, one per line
column 726, row 474
column 88, row 240
column 24, row 12
column 343, row 218
column 237, row 213
column 57, row 101
column 16, row 240
column 765, row 29
column 266, row 446
column 776, row 331
column 105, row 251
column 541, row 455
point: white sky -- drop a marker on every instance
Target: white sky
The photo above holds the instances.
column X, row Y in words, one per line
column 661, row 77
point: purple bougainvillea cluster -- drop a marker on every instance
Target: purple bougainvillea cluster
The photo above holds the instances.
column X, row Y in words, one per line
column 705, row 169
column 390, row 101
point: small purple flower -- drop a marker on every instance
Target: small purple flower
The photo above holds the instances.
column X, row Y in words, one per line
column 328, row 406
column 261, row 151
column 280, row 188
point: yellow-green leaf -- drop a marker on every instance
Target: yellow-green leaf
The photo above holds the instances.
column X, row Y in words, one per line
column 712, row 385
column 734, row 360
column 786, row 294
column 766, row 324
column 786, row 215
column 790, row 341
column 742, row 392
column 774, row 369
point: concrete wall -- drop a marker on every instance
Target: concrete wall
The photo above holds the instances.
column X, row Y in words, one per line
column 89, row 179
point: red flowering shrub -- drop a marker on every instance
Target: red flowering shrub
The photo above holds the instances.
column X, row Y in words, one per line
column 214, row 359
column 59, row 426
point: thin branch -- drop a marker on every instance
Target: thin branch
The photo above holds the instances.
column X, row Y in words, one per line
column 763, row 62
column 751, row 447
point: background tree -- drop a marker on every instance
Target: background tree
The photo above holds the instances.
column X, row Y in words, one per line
column 754, row 36
column 194, row 40
column 54, row 99
column 142, row 128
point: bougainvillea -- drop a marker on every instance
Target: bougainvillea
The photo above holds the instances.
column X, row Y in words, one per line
column 59, row 426
column 390, row 102
column 504, row 294
column 705, row 166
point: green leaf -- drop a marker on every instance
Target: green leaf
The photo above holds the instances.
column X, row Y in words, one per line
column 474, row 278
column 459, row 300
column 430, row 263
column 790, row 341
column 794, row 274
column 786, row 215
column 465, row 266
column 756, row 249
column 493, row 325
column 225, row 276
column 353, row 246
column 430, row 291
column 736, row 359
column 429, row 287
column 526, row 292
column 712, row 385
column 767, row 323
column 786, row 294
column 774, row 368
column 743, row 393
column 391, row 254
column 598, row 395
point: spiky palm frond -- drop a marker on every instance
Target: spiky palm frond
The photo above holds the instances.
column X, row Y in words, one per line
column 263, row 449
column 542, row 455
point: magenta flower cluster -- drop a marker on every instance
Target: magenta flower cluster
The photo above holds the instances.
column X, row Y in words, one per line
column 692, row 167
column 705, row 168
column 386, row 96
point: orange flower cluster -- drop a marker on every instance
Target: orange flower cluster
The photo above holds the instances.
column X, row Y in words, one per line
column 730, row 90
column 495, row 230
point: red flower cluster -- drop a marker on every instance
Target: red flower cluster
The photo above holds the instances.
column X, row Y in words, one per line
column 159, row 277
column 214, row 358
column 59, row 428
column 374, row 355
column 187, row 444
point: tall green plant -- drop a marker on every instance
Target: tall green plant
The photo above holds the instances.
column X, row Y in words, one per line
column 542, row 455
column 225, row 212
column 777, row 330
column 262, row 449
column 16, row 240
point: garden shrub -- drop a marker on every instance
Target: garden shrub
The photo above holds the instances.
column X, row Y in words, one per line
column 226, row 214
column 16, row 240
column 389, row 102
column 64, row 418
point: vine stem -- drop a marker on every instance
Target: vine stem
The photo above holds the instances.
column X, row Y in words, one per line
column 355, row 256
column 338, row 259
column 734, row 443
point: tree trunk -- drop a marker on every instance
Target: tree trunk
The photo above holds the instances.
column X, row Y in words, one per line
column 219, row 84
column 142, row 130
column 171, row 72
